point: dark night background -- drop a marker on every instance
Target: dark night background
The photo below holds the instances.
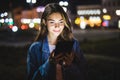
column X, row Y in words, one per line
column 102, row 54
column 5, row 5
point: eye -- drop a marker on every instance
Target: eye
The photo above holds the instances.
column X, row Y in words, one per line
column 61, row 22
column 51, row 22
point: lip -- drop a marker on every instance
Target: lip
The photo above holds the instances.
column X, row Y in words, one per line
column 56, row 30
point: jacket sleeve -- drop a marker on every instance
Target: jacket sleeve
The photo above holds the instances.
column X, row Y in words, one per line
column 35, row 70
column 77, row 70
column 80, row 61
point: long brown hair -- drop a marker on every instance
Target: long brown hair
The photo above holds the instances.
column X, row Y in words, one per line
column 55, row 8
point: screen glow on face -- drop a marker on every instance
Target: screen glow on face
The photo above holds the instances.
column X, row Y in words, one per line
column 55, row 24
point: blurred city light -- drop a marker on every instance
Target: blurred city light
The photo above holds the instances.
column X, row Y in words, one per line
column 24, row 27
column 1, row 20
column 65, row 9
column 36, row 20
column 40, row 9
column 10, row 21
column 64, row 4
column 105, row 23
column 89, row 12
column 82, row 22
column 104, row 10
column 31, row 1
column 6, row 20
column 91, row 21
column 4, row 14
column 31, row 25
column 14, row 28
column 118, row 12
column 10, row 26
column 83, row 25
column 119, row 24
column 94, row 15
column 77, row 21
column 27, row 21
column 106, row 17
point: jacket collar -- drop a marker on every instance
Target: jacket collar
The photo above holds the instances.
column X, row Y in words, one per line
column 45, row 47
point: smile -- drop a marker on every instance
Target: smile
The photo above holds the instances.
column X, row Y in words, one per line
column 56, row 30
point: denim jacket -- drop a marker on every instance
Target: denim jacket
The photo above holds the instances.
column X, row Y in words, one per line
column 39, row 68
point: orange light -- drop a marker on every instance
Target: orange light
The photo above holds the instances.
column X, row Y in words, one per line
column 10, row 26
column 23, row 27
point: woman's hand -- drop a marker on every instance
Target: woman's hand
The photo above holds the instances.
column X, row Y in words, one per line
column 56, row 59
column 62, row 58
column 68, row 58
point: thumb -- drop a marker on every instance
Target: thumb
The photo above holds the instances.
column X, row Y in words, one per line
column 52, row 53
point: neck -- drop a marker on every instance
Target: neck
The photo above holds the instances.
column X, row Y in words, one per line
column 52, row 40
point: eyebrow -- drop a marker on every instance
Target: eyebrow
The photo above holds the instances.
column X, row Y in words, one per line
column 54, row 20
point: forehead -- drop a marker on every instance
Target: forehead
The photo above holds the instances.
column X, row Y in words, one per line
column 55, row 16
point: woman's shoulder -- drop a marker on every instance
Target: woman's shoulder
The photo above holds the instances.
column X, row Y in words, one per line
column 75, row 41
column 35, row 45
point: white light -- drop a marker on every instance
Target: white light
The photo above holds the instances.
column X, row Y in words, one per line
column 83, row 25
column 5, row 14
column 10, row 20
column 119, row 24
column 28, row 1
column 2, row 20
column 2, row 15
column 14, row 28
column 36, row 20
column 33, row 1
column 82, row 17
column 89, row 12
column 6, row 20
column 98, row 12
column 31, row 25
column 25, row 21
column 61, row 3
column 40, row 9
column 104, row 10
column 65, row 9
column 118, row 12
column 65, row 3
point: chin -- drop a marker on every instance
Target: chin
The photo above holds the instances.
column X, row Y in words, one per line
column 57, row 34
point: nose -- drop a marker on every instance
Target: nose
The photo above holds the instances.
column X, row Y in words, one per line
column 56, row 24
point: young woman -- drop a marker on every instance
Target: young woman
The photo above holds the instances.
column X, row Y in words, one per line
column 55, row 55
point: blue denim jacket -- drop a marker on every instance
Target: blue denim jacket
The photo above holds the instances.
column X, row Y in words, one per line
column 39, row 68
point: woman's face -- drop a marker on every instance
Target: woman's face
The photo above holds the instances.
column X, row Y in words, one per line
column 55, row 24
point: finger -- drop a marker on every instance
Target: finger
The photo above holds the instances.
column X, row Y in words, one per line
column 59, row 59
column 69, row 55
column 59, row 55
column 68, row 60
column 53, row 53
column 64, row 63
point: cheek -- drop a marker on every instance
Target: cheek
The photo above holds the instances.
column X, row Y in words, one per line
column 62, row 27
column 50, row 28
